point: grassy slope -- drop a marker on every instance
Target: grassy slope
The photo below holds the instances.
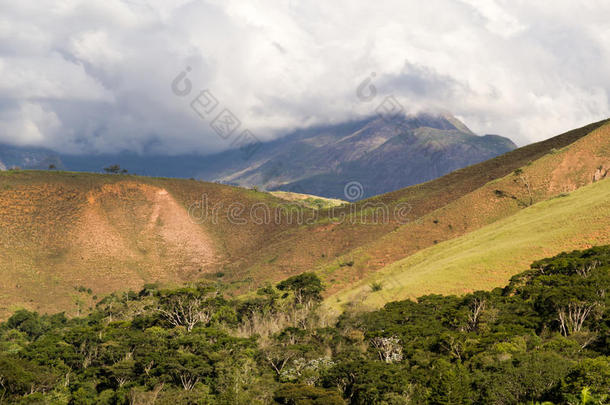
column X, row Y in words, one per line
column 489, row 256
column 308, row 200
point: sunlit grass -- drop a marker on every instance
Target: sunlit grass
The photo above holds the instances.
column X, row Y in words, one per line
column 488, row 257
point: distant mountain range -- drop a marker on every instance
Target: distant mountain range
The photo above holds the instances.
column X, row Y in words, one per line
column 27, row 158
column 381, row 154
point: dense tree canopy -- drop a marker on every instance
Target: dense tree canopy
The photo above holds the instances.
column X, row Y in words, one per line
column 545, row 337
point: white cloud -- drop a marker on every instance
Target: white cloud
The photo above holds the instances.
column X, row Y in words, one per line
column 497, row 19
column 27, row 124
column 95, row 76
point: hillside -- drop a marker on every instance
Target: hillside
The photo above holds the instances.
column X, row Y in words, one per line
column 560, row 170
column 311, row 201
column 67, row 237
column 490, row 256
column 347, row 250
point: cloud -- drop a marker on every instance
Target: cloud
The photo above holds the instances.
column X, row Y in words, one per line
column 27, row 124
column 78, row 76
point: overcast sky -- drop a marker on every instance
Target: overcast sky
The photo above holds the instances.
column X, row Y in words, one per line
column 96, row 75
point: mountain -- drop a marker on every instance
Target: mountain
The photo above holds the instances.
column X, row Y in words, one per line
column 381, row 154
column 28, row 158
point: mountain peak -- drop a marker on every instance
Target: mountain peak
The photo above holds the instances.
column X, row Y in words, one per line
column 382, row 153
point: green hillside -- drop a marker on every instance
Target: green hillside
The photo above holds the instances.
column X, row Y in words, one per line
column 491, row 255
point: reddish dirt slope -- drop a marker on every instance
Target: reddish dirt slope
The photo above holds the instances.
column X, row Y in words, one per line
column 64, row 233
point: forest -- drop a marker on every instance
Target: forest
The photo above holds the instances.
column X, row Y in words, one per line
column 543, row 338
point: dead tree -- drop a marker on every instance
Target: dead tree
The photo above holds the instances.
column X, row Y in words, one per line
column 186, row 312
column 586, row 269
column 279, row 362
column 388, row 349
column 573, row 316
column 476, row 310
column 188, row 381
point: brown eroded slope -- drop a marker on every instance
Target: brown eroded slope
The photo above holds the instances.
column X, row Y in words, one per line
column 65, row 233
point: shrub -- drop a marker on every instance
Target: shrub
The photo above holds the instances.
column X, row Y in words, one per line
column 376, row 287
